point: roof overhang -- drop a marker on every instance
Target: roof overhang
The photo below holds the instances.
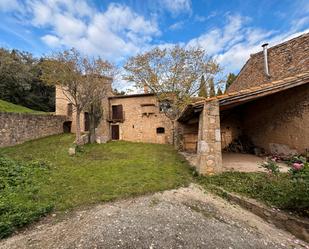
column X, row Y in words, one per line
column 233, row 99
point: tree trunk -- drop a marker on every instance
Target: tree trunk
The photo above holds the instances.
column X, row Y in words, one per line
column 78, row 132
column 174, row 132
column 92, row 125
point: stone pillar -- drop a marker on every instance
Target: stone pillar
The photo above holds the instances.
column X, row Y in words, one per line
column 209, row 139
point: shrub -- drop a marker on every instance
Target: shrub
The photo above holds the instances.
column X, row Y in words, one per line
column 20, row 202
column 270, row 166
column 282, row 191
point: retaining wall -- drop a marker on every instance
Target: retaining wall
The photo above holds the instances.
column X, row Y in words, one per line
column 16, row 128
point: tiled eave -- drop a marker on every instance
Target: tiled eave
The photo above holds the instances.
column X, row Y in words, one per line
column 232, row 99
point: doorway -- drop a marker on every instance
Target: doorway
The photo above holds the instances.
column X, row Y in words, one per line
column 115, row 132
column 86, row 121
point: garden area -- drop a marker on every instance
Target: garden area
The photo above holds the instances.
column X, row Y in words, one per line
column 287, row 191
column 39, row 176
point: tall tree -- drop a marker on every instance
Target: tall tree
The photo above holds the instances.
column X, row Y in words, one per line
column 97, row 85
column 219, row 92
column 212, row 91
column 20, row 83
column 173, row 74
column 203, row 88
column 230, row 79
column 80, row 79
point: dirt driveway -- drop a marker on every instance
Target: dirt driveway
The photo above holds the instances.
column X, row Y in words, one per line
column 183, row 218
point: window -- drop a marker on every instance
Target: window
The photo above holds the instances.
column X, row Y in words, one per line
column 70, row 109
column 117, row 113
column 160, row 130
column 86, row 121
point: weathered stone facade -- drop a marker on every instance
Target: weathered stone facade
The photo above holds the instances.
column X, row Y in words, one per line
column 271, row 112
column 284, row 60
column 279, row 123
column 16, row 128
column 209, row 139
column 62, row 108
column 141, row 119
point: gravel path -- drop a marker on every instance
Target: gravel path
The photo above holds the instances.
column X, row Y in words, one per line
column 182, row 218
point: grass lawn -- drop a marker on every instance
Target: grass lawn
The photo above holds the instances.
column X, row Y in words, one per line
column 10, row 107
column 48, row 178
column 277, row 191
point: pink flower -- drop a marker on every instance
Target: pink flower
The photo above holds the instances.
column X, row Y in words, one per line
column 298, row 166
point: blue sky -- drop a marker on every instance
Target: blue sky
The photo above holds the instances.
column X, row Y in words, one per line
column 229, row 30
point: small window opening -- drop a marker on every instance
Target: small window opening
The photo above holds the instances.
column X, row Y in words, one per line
column 160, row 130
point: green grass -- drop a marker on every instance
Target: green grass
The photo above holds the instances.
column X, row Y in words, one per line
column 10, row 107
column 99, row 173
column 277, row 191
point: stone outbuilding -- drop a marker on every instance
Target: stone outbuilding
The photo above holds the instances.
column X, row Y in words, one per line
column 135, row 117
column 267, row 107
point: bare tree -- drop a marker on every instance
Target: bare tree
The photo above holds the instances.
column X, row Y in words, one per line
column 173, row 74
column 97, row 85
column 82, row 80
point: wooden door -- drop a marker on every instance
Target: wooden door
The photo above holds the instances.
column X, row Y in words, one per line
column 115, row 132
column 87, row 121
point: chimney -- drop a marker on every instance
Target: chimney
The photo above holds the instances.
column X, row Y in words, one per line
column 266, row 69
column 146, row 90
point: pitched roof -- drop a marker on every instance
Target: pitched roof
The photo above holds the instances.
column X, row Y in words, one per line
column 286, row 59
column 235, row 98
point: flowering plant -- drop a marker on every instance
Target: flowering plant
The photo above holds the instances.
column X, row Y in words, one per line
column 299, row 168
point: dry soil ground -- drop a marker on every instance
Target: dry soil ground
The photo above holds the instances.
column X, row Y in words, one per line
column 182, row 218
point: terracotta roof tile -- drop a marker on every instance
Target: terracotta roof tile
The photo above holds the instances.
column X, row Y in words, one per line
column 232, row 93
column 222, row 96
column 277, row 82
column 266, row 85
column 244, row 91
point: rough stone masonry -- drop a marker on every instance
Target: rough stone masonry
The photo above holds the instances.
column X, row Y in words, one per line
column 16, row 128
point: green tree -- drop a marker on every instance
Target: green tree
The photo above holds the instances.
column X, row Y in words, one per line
column 219, row 92
column 230, row 79
column 211, row 83
column 203, row 88
column 20, row 82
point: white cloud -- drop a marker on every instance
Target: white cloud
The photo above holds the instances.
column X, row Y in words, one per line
column 8, row 5
column 114, row 34
column 232, row 44
column 176, row 26
column 51, row 40
column 177, row 7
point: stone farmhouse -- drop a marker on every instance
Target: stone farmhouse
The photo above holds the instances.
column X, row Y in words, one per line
column 268, row 104
column 135, row 118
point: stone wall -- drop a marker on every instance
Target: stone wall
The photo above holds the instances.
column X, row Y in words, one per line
column 285, row 60
column 16, row 128
column 230, row 127
column 209, row 140
column 278, row 123
column 62, row 104
column 142, row 117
